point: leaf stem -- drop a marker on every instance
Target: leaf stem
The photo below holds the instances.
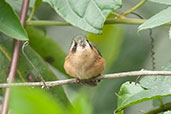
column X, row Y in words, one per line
column 63, row 23
column 15, row 58
column 163, row 108
column 160, row 101
column 132, row 21
column 133, row 8
column 32, row 12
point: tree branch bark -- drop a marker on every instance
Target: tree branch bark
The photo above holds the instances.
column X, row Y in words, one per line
column 107, row 76
column 15, row 58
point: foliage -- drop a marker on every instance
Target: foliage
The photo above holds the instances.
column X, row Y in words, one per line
column 87, row 15
column 10, row 24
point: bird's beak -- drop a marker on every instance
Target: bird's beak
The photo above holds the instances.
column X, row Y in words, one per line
column 82, row 43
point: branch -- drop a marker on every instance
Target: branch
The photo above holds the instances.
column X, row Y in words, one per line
column 63, row 23
column 107, row 76
column 15, row 58
column 133, row 8
column 108, row 21
column 162, row 108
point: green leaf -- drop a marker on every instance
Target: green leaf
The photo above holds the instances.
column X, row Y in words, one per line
column 128, row 98
column 128, row 90
column 108, row 43
column 81, row 104
column 150, row 87
column 168, row 112
column 167, row 2
column 153, row 82
column 88, row 15
column 9, row 22
column 47, row 48
column 25, row 69
column 34, row 101
column 159, row 19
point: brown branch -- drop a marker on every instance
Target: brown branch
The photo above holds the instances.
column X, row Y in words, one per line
column 107, row 76
column 15, row 57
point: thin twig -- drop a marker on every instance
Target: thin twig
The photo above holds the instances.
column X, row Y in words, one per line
column 152, row 51
column 35, row 69
column 163, row 108
column 107, row 76
column 132, row 21
column 15, row 58
column 32, row 12
column 133, row 8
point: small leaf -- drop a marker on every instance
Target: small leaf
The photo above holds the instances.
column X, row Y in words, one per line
column 139, row 94
column 150, row 87
column 88, row 15
column 128, row 90
column 34, row 101
column 108, row 43
column 159, row 19
column 9, row 22
column 166, row 2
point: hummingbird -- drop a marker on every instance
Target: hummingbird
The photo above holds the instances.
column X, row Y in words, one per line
column 84, row 61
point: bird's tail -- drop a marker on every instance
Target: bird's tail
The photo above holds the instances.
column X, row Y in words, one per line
column 90, row 82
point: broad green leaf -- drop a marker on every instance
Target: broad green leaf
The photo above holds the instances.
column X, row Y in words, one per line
column 88, row 15
column 9, row 22
column 47, row 48
column 159, row 19
column 108, row 43
column 128, row 98
column 34, row 101
column 150, row 87
column 25, row 69
column 167, row 2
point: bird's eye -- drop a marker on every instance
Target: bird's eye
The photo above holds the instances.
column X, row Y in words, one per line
column 74, row 47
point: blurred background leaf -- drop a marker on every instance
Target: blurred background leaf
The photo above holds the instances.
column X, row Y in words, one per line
column 34, row 101
column 10, row 23
column 47, row 48
column 167, row 112
column 25, row 71
column 82, row 104
column 109, row 43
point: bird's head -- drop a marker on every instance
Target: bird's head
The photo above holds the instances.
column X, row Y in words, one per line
column 80, row 44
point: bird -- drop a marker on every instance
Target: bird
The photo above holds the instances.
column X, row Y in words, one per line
column 84, row 61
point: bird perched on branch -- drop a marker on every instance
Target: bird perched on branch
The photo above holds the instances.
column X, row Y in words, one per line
column 84, row 61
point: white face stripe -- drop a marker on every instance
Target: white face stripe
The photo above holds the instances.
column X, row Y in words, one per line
column 76, row 46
